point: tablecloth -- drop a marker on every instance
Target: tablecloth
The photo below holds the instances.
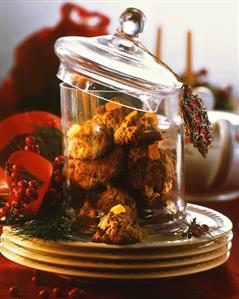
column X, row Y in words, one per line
column 219, row 283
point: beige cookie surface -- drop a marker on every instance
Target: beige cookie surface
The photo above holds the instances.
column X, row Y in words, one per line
column 137, row 128
column 88, row 141
column 91, row 173
column 113, row 196
column 155, row 178
column 118, row 227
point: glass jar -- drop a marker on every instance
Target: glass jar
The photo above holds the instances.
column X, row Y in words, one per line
column 122, row 132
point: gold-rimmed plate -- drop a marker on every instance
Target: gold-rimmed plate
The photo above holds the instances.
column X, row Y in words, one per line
column 118, row 265
column 115, row 275
column 159, row 253
column 219, row 225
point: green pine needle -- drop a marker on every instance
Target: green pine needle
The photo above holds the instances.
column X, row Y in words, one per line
column 48, row 228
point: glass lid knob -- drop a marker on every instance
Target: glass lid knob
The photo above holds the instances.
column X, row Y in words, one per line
column 132, row 22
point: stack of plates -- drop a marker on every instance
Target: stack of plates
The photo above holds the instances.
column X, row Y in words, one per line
column 153, row 258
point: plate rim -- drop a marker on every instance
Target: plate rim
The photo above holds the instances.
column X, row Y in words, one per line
column 181, row 252
column 220, row 219
column 175, row 262
column 179, row 271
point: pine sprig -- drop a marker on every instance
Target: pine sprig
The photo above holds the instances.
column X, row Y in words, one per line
column 47, row 228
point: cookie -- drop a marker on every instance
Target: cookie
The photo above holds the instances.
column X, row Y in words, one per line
column 118, row 227
column 91, row 173
column 111, row 114
column 137, row 128
column 153, row 172
column 88, row 141
column 79, row 196
column 113, row 196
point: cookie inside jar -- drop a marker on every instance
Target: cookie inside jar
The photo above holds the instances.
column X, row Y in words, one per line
column 117, row 155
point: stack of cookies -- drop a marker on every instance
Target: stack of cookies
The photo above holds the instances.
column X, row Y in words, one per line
column 117, row 158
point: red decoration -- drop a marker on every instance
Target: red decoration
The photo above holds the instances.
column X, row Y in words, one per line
column 26, row 176
column 37, row 166
column 23, row 124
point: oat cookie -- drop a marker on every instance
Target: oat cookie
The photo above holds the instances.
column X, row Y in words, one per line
column 137, row 128
column 152, row 174
column 118, row 227
column 113, row 196
column 89, row 140
column 91, row 173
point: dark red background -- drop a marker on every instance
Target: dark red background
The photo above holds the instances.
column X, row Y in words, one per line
column 218, row 283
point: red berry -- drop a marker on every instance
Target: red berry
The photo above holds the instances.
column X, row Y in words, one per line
column 16, row 168
column 14, row 176
column 15, row 212
column 76, row 294
column 57, row 292
column 35, row 279
column 30, row 140
column 32, row 184
column 58, row 178
column 31, row 193
column 13, row 291
column 30, row 148
column 22, row 183
column 56, row 172
column 43, row 294
column 59, row 159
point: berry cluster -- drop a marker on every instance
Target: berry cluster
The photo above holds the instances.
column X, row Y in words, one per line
column 23, row 189
column 31, row 144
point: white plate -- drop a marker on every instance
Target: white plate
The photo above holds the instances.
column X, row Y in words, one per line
column 84, row 274
column 160, row 253
column 219, row 224
column 117, row 265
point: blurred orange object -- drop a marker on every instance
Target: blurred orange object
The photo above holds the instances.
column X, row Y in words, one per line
column 32, row 83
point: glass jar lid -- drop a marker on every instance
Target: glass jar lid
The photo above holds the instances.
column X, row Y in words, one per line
column 117, row 61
